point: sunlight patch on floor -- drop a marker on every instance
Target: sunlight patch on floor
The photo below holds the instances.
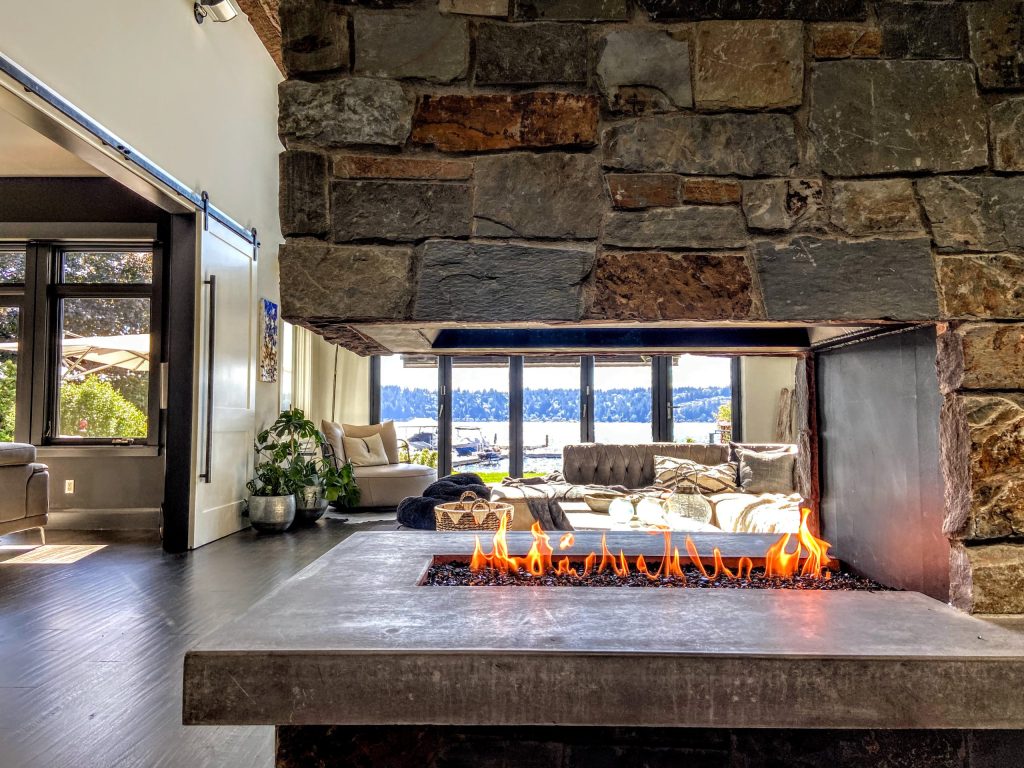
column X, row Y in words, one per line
column 50, row 554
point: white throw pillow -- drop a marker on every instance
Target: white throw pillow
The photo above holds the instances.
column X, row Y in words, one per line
column 387, row 432
column 365, row 451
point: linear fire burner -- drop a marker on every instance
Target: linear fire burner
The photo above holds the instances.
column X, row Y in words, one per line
column 355, row 640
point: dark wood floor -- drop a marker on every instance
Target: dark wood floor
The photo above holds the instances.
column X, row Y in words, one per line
column 91, row 651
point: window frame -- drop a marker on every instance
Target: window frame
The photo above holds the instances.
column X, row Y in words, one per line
column 14, row 295
column 662, row 417
column 54, row 291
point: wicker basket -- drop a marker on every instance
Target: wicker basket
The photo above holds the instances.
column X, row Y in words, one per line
column 471, row 513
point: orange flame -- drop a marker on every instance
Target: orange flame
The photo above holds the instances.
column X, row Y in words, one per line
column 779, row 561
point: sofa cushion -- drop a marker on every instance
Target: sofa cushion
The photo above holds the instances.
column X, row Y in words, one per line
column 766, row 471
column 13, row 454
column 751, row 513
column 686, row 476
column 385, row 471
column 387, row 433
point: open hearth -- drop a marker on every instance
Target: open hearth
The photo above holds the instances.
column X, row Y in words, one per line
column 803, row 565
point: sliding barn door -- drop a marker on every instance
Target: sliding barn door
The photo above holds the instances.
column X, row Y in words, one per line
column 225, row 418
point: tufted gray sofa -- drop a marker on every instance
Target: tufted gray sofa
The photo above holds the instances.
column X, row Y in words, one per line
column 630, row 465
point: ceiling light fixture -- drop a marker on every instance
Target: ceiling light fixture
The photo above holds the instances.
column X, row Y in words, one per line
column 218, row 10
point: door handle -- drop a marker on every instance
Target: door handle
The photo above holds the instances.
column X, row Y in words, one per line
column 211, row 335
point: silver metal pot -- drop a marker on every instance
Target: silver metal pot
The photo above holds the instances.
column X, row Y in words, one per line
column 309, row 506
column 271, row 513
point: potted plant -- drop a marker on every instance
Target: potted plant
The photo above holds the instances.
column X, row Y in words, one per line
column 293, row 480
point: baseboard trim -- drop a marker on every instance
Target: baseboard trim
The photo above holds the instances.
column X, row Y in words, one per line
column 104, row 519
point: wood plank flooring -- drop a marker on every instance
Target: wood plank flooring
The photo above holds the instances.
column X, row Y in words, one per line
column 91, row 651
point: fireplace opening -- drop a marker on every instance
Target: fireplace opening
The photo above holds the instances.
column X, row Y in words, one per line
column 800, row 562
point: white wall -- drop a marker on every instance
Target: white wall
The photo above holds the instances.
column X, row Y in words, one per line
column 200, row 101
column 344, row 397
column 761, row 381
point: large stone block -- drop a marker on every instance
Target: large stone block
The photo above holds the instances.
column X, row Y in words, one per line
column 883, row 206
column 569, row 10
column 919, row 30
column 816, row 279
column 975, row 213
column 987, row 579
column 304, row 205
column 690, row 226
column 500, row 282
column 1006, row 123
column 982, row 441
column 475, row 7
column 528, row 54
column 845, row 40
column 344, row 283
column 749, row 64
column 986, row 286
column 719, row 145
column 981, row 356
column 808, row 10
column 421, row 44
column 459, row 123
column 874, row 117
column 641, row 66
column 997, row 42
column 554, row 195
column 635, row 191
column 783, row 204
column 314, row 36
column 399, row 210
column 349, row 166
column 339, row 113
column 648, row 286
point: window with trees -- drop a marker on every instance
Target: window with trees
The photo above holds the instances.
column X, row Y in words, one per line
column 79, row 326
column 103, row 320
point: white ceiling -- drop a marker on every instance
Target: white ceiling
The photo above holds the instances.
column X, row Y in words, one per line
column 24, row 152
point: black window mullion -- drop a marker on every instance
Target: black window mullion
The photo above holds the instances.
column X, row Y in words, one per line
column 737, row 399
column 444, row 415
column 515, row 416
column 587, row 398
column 375, row 389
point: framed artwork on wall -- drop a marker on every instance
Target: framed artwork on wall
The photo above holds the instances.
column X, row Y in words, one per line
column 269, row 342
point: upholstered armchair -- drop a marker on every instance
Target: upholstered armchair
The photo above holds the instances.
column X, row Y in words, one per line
column 24, row 489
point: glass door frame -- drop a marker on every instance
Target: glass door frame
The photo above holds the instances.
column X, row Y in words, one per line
column 662, row 423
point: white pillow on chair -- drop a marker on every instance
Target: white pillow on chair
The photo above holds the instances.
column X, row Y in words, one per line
column 388, row 435
column 365, row 451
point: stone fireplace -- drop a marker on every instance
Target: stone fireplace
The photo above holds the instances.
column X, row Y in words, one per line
column 671, row 164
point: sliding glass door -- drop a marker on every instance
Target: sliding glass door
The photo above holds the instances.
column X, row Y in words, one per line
column 480, row 416
column 500, row 416
column 551, row 411
column 622, row 399
column 701, row 396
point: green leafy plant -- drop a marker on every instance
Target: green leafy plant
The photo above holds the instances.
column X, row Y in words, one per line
column 427, row 457
column 289, row 457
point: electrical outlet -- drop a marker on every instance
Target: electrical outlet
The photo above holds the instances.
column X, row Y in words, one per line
column 69, row 486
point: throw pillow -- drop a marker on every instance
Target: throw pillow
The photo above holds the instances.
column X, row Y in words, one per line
column 365, row 451
column 766, row 471
column 335, row 434
column 692, row 506
column 686, row 476
column 387, row 433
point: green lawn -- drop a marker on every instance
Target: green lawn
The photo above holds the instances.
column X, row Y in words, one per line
column 497, row 477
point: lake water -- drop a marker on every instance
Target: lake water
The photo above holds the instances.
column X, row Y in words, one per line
column 549, row 437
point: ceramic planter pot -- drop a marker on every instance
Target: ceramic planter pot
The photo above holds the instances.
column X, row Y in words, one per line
column 271, row 513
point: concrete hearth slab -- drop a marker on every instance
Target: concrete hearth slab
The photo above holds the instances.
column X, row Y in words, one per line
column 354, row 640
